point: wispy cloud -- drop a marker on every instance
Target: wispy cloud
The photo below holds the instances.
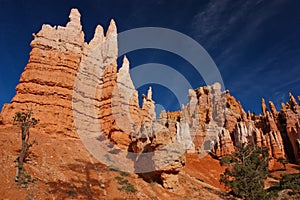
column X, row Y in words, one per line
column 219, row 19
column 232, row 22
column 231, row 26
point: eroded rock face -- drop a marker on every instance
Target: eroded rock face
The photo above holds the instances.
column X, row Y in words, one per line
column 257, row 130
column 161, row 143
column 46, row 85
column 290, row 121
column 60, row 56
column 224, row 145
column 273, row 129
column 212, row 121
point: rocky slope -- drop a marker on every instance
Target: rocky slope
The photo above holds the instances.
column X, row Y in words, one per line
column 64, row 169
column 70, row 84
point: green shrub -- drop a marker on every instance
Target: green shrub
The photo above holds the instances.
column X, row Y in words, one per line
column 290, row 181
column 126, row 186
column 124, row 173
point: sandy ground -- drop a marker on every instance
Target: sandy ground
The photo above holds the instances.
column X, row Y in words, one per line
column 64, row 169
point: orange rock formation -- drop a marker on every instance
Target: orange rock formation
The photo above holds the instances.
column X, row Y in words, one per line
column 213, row 121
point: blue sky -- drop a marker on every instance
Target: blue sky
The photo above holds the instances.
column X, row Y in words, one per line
column 254, row 43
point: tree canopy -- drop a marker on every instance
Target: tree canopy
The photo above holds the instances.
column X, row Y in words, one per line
column 246, row 172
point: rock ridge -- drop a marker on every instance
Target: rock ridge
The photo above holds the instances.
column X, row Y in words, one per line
column 213, row 121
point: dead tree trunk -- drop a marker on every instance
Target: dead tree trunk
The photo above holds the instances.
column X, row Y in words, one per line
column 20, row 174
column 24, row 121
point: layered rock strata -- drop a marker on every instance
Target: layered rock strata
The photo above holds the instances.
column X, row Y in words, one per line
column 272, row 129
column 46, row 85
column 66, row 76
column 68, row 79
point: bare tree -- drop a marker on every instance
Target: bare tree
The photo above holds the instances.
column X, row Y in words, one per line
column 24, row 121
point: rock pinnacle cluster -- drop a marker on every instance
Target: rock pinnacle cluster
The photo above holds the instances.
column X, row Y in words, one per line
column 213, row 121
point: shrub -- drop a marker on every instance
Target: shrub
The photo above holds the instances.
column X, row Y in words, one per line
column 126, row 186
column 290, row 181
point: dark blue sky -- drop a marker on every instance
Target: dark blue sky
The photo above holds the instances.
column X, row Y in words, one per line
column 254, row 43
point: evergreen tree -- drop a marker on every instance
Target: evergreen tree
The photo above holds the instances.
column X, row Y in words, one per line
column 247, row 170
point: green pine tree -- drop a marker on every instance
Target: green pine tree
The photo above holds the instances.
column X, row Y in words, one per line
column 246, row 172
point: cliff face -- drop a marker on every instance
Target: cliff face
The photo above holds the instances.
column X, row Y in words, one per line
column 279, row 131
column 60, row 62
column 46, row 85
column 222, row 124
column 289, row 122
